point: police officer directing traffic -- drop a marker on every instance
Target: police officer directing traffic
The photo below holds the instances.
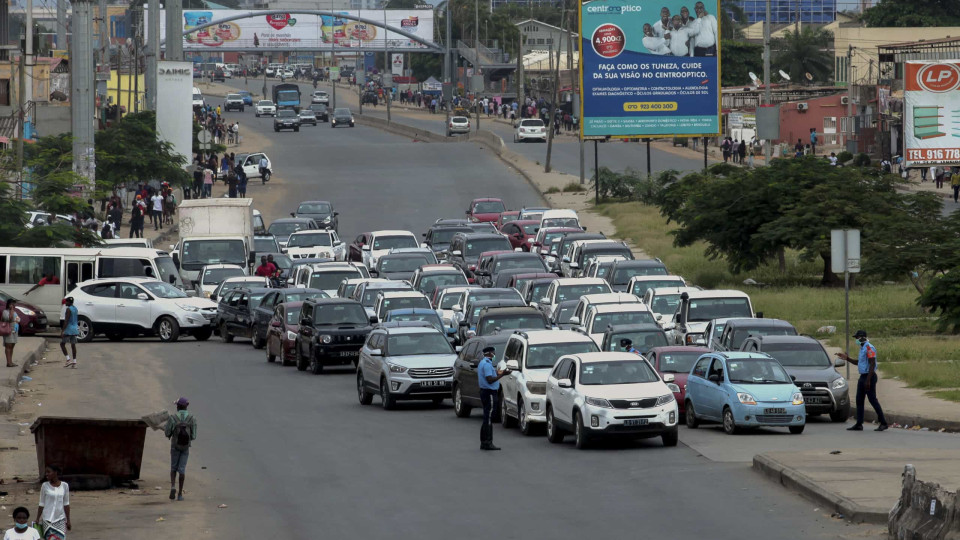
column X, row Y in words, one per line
column 627, row 346
column 867, row 384
column 489, row 379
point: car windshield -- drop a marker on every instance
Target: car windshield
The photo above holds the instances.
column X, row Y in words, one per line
column 404, row 263
column 265, row 103
column 560, row 222
column 213, row 276
column 301, row 296
column 617, row 372
column 798, row 354
column 473, row 248
column 404, row 302
column 265, row 245
column 330, row 280
column 430, row 317
column 418, row 343
column 443, row 236
column 432, row 281
column 622, row 275
column 757, row 371
column 196, row 253
column 233, row 96
column 551, row 238
column 284, row 229
column 562, row 315
column 341, row 112
column 319, row 107
column 340, row 314
column 459, row 119
column 370, row 293
column 282, row 261
column 488, row 207
column 539, row 290
column 546, row 355
column 479, row 295
column 601, row 321
column 347, row 289
column 678, row 362
column 517, row 263
column 493, row 321
column 741, row 334
column 572, row 292
column 665, row 303
column 310, row 240
column 531, row 123
column 163, row 290
column 314, row 208
column 391, row 242
column 451, row 299
column 307, row 113
column 643, row 340
column 707, row 309
column 602, row 269
column 284, row 113
column 293, row 315
column 531, row 228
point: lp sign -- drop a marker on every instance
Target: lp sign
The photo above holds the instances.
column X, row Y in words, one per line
column 845, row 251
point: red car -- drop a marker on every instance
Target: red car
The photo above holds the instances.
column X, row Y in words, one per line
column 282, row 333
column 506, row 217
column 32, row 319
column 486, row 209
column 521, row 233
column 676, row 361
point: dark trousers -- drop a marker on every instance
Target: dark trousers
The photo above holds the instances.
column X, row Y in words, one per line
column 488, row 398
column 871, row 395
column 939, row 181
column 705, row 51
column 956, row 193
column 156, row 217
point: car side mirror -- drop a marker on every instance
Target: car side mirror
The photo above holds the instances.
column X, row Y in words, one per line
column 142, row 296
column 456, row 253
column 213, row 297
column 293, row 214
column 374, row 272
column 793, row 378
column 574, row 265
column 172, row 247
column 566, row 259
column 669, row 377
column 545, row 301
column 373, row 319
column 574, row 320
column 376, row 352
column 458, row 348
column 565, row 383
column 513, row 365
column 365, row 247
column 276, row 324
column 336, row 214
column 713, row 377
column 467, row 212
column 839, row 362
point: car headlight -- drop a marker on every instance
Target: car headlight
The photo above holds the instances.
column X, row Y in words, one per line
column 186, row 307
column 326, row 339
column 327, row 219
column 539, row 388
column 797, row 398
column 292, row 336
column 664, row 399
column 746, row 398
column 673, row 388
column 26, row 311
column 599, row 402
column 839, row 383
column 396, row 368
column 206, row 294
column 692, row 338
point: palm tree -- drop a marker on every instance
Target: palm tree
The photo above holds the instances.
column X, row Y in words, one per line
column 805, row 52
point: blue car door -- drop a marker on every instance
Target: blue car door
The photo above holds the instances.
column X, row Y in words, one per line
column 714, row 392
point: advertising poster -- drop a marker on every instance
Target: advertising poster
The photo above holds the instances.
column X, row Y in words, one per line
column 649, row 69
column 174, row 109
column 931, row 113
column 397, row 64
column 289, row 30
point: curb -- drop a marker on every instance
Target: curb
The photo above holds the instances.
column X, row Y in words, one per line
column 869, row 415
column 8, row 387
column 799, row 482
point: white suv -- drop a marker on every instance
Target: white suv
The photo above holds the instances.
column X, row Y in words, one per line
column 601, row 394
column 570, row 289
column 266, row 107
column 319, row 96
column 598, row 318
column 316, row 244
column 530, row 356
column 129, row 307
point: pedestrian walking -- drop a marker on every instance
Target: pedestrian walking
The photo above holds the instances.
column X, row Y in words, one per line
column 489, row 380
column 939, row 177
column 955, row 184
column 241, row 182
column 947, row 176
column 742, row 152
column 136, row 218
column 69, row 331
column 21, row 526
column 725, row 148
column 9, row 326
column 813, row 141
column 181, row 429
column 232, row 184
column 867, row 383
column 156, row 210
column 54, row 511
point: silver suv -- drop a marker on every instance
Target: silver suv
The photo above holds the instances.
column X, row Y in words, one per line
column 233, row 101
column 409, row 360
column 286, row 119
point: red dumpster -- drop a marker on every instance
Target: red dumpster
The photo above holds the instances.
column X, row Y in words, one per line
column 90, row 446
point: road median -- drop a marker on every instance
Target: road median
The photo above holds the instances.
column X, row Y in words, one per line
column 28, row 351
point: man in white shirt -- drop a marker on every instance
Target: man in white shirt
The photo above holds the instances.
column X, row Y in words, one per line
column 654, row 44
column 661, row 27
column 156, row 210
column 678, row 37
column 705, row 43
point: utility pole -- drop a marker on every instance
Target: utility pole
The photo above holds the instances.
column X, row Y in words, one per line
column 21, row 115
column 174, row 37
column 102, row 33
column 153, row 54
column 61, row 25
column 388, row 71
column 447, row 64
column 82, row 89
column 28, row 51
column 556, row 91
column 119, row 81
column 768, row 147
column 848, row 133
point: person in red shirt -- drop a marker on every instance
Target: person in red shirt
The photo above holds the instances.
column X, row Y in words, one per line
column 266, row 269
column 48, row 279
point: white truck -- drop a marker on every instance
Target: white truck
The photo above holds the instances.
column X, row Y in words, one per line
column 213, row 231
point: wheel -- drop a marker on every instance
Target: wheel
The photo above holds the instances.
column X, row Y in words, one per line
column 386, row 400
column 168, row 329
column 265, row 177
column 796, row 430
column 296, row 130
column 691, row 417
column 241, row 109
column 301, row 362
column 115, row 337
column 84, row 330
column 257, row 342
column 670, row 438
column 840, row 416
column 203, row 335
column 258, row 115
column 525, row 426
column 225, row 334
column 275, row 130
column 580, row 432
column 729, row 424
column 316, row 367
column 554, row 433
column 449, row 134
column 461, row 409
column 351, row 124
column 363, row 395
column 505, row 420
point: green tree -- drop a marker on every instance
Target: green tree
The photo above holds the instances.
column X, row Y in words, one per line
column 739, row 59
column 131, row 152
column 731, row 17
column 913, row 13
column 943, row 297
column 805, row 52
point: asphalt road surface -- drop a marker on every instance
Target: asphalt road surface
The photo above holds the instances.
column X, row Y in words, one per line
column 294, row 455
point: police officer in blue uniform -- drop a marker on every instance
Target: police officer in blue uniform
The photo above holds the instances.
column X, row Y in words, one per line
column 867, row 383
column 627, row 346
column 489, row 380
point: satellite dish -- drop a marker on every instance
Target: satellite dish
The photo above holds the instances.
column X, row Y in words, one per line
column 808, row 76
column 753, row 77
column 784, row 75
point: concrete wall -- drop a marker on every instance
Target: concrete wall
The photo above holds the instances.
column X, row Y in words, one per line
column 925, row 511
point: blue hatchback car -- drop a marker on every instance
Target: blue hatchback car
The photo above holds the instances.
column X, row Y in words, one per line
column 743, row 390
column 247, row 97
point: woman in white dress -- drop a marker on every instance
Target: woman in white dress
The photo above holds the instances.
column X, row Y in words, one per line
column 54, row 511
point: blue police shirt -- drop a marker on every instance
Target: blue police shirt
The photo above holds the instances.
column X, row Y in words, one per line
column 485, row 369
column 867, row 352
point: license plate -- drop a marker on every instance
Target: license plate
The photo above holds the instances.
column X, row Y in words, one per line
column 636, row 422
column 349, row 353
column 433, row 383
column 774, row 411
column 813, row 400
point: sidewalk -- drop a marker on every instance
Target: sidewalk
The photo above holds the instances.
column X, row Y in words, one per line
column 28, row 350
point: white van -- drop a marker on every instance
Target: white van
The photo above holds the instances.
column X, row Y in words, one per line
column 197, row 97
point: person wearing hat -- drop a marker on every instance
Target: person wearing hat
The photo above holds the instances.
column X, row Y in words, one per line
column 867, row 383
column 181, row 429
column 69, row 330
column 489, row 380
column 627, row 346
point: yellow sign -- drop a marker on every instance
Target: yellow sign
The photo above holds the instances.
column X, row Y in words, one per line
column 61, row 53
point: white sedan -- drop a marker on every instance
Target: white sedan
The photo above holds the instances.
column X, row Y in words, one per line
column 266, row 107
column 530, row 129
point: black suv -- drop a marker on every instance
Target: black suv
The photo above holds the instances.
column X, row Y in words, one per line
column 319, row 109
column 263, row 313
column 332, row 332
column 235, row 312
column 438, row 237
column 468, row 326
column 466, row 389
column 286, row 119
column 500, row 319
column 486, row 275
column 621, row 271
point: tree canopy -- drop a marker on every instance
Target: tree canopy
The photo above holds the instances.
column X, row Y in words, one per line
column 131, row 152
column 806, row 51
column 739, row 59
column 913, row 13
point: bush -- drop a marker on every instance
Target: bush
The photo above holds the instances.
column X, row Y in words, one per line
column 574, row 187
column 862, row 160
column 844, row 157
column 709, row 279
column 551, row 190
column 629, row 186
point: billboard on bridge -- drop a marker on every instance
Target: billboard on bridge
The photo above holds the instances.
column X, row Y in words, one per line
column 931, row 113
column 298, row 31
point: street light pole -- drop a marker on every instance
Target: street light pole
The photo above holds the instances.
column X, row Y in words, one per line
column 768, row 147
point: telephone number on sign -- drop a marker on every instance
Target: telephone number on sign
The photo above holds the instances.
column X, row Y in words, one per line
column 933, row 154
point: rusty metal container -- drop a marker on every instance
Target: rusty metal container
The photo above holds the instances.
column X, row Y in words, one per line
column 90, row 446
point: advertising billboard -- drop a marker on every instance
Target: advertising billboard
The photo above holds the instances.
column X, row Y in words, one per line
column 299, row 31
column 174, row 106
column 931, row 113
column 649, row 69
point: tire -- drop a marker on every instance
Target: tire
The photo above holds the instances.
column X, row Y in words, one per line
column 115, row 337
column 671, row 437
column 796, row 430
column 729, row 423
column 241, row 109
column 225, row 334
column 840, row 416
column 363, row 395
column 315, row 366
column 265, row 177
column 387, row 401
column 505, row 420
column 203, row 335
column 580, row 432
column 692, row 421
column 85, row 330
column 461, row 409
column 275, row 130
column 554, row 433
column 168, row 329
column 256, row 341
column 296, row 130
column 525, row 427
